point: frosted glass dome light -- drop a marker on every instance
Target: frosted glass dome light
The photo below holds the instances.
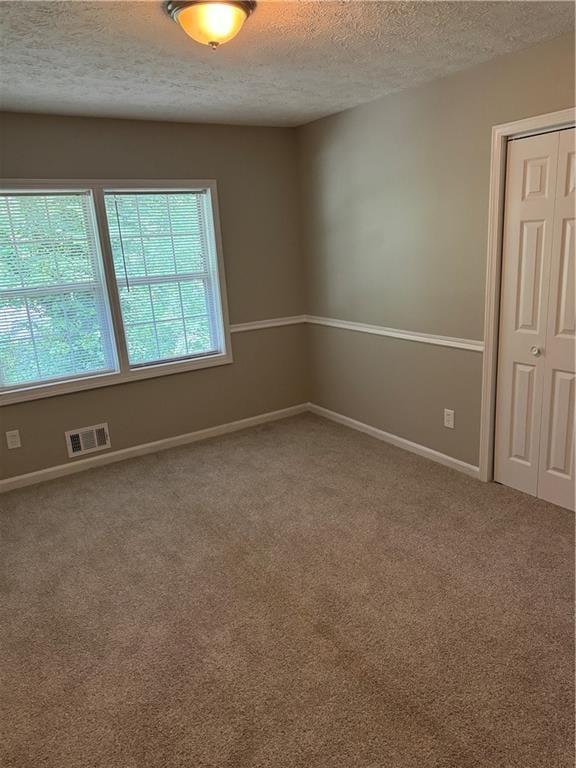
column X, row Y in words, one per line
column 211, row 22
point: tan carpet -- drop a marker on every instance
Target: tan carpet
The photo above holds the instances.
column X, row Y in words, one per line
column 293, row 596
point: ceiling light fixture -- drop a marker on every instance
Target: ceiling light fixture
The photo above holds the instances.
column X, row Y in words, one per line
column 211, row 22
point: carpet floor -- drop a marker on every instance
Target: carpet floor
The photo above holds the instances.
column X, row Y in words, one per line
column 296, row 595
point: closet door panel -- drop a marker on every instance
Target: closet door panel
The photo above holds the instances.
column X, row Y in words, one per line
column 557, row 471
column 531, row 178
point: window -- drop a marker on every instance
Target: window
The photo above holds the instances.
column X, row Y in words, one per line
column 161, row 246
column 107, row 283
column 54, row 317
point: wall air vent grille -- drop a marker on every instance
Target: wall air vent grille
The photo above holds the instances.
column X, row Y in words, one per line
column 87, row 440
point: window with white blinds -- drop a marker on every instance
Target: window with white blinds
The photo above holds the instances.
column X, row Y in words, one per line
column 164, row 261
column 54, row 317
column 106, row 283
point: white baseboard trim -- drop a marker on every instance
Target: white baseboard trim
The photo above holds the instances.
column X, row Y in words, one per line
column 399, row 442
column 111, row 457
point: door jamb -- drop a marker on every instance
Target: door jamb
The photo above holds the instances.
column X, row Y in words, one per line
column 501, row 134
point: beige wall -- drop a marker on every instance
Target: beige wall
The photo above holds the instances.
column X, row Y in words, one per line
column 392, row 201
column 269, row 372
column 258, row 189
column 392, row 385
column 395, row 204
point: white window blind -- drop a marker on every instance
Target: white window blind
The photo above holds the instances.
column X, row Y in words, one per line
column 54, row 317
column 166, row 271
column 107, row 282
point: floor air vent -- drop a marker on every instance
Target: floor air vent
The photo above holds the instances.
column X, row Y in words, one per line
column 87, row 440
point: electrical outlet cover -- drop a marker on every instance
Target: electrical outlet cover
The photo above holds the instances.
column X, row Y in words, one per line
column 13, row 439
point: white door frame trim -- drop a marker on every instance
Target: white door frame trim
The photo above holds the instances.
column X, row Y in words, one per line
column 501, row 134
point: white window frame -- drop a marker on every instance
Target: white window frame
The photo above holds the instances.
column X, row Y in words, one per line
column 125, row 373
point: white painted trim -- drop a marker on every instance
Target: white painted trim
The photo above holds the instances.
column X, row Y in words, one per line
column 528, row 126
column 500, row 135
column 112, row 457
column 80, row 465
column 472, row 345
column 399, row 442
column 275, row 322
column 97, row 381
column 427, row 338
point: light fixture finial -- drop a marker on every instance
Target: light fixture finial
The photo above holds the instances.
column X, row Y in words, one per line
column 211, row 22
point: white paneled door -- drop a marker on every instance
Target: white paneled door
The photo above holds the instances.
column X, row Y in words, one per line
column 535, row 419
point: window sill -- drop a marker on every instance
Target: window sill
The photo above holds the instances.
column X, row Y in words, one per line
column 97, row 381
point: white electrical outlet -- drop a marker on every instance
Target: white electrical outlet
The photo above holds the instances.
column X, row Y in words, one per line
column 13, row 439
column 448, row 418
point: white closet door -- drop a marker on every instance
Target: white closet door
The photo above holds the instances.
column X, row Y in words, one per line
column 527, row 250
column 557, row 475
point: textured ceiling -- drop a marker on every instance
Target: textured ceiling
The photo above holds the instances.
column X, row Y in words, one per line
column 292, row 63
